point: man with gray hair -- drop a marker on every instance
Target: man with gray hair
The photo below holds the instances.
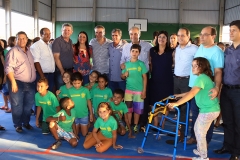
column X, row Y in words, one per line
column 100, row 54
column 115, row 52
column 63, row 53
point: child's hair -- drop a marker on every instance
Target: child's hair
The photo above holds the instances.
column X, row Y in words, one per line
column 97, row 73
column 43, row 80
column 108, row 107
column 64, row 102
column 119, row 91
column 204, row 66
column 67, row 72
column 104, row 76
column 76, row 76
column 136, row 46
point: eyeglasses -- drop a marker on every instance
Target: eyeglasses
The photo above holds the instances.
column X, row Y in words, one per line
column 204, row 35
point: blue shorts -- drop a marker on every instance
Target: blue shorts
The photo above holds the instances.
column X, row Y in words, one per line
column 63, row 134
column 82, row 121
column 5, row 89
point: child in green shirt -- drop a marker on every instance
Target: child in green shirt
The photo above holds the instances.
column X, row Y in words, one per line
column 101, row 94
column 62, row 124
column 119, row 108
column 63, row 91
column 83, row 106
column 93, row 79
column 135, row 93
column 209, row 109
column 46, row 101
column 107, row 136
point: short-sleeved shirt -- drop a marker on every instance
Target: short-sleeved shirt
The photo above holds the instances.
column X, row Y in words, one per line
column 122, row 108
column 64, row 91
column 99, row 96
column 144, row 55
column 107, row 127
column 80, row 97
column 100, row 55
column 231, row 71
column 183, row 59
column 67, row 124
column 114, row 61
column 66, row 51
column 203, row 100
column 48, row 103
column 214, row 55
column 135, row 72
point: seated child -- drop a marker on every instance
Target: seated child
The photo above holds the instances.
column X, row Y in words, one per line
column 62, row 124
column 119, row 108
column 46, row 101
column 107, row 136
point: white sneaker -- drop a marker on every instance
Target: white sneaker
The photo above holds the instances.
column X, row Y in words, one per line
column 199, row 158
column 196, row 152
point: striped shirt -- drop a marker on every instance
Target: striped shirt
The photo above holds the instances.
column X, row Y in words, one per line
column 115, row 57
column 144, row 55
column 100, row 55
column 183, row 59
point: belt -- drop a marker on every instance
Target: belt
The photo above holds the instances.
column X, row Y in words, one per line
column 179, row 77
column 48, row 73
column 231, row 86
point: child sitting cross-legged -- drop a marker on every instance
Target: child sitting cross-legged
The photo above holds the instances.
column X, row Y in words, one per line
column 62, row 124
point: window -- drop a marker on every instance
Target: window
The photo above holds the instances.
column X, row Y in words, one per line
column 2, row 24
column 225, row 34
column 22, row 22
column 45, row 24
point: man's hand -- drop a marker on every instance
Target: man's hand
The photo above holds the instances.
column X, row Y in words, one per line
column 122, row 66
column 14, row 87
column 213, row 92
column 126, row 74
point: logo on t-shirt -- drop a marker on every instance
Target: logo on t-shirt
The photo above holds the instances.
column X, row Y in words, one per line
column 109, row 129
column 105, row 96
column 83, row 95
column 139, row 69
column 49, row 103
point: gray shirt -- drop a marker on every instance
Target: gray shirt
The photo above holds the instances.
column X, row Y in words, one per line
column 66, row 51
column 100, row 55
column 231, row 71
column 115, row 58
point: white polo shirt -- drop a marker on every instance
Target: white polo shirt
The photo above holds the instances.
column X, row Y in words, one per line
column 42, row 53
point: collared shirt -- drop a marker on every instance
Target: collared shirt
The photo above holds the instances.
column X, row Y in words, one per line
column 183, row 59
column 115, row 58
column 42, row 53
column 214, row 55
column 231, row 71
column 144, row 55
column 21, row 64
column 100, row 55
column 66, row 51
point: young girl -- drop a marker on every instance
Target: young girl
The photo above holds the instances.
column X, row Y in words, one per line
column 107, row 136
column 63, row 91
column 209, row 108
column 100, row 94
column 81, row 97
column 93, row 79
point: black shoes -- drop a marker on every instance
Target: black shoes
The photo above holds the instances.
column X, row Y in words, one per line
column 19, row 129
column 221, row 151
column 27, row 126
column 233, row 157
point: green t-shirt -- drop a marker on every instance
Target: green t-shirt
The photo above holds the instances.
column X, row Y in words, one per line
column 135, row 72
column 122, row 108
column 107, row 127
column 67, row 124
column 64, row 91
column 203, row 100
column 80, row 97
column 93, row 87
column 99, row 96
column 48, row 103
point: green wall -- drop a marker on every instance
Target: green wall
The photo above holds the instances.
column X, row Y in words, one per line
column 170, row 28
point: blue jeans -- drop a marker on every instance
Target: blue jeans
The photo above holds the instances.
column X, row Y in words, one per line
column 117, row 85
column 21, row 102
column 58, row 79
column 230, row 108
column 195, row 112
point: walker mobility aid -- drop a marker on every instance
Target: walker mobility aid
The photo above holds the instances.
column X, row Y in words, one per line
column 160, row 107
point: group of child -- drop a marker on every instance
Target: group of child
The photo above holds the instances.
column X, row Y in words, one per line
column 95, row 103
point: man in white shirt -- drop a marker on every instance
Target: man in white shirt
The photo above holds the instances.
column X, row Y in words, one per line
column 43, row 58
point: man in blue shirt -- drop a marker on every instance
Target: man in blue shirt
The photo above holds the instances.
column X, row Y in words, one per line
column 215, row 56
column 230, row 94
column 115, row 52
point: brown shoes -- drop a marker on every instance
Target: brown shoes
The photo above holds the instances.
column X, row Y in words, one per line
column 191, row 141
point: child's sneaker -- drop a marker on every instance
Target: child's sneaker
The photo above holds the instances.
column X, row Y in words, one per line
column 135, row 128
column 56, row 144
column 196, row 152
column 126, row 128
column 199, row 158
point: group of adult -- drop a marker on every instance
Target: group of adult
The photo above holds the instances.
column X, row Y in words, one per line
column 23, row 66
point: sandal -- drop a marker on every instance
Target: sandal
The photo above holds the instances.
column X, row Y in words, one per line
column 4, row 108
column 2, row 128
